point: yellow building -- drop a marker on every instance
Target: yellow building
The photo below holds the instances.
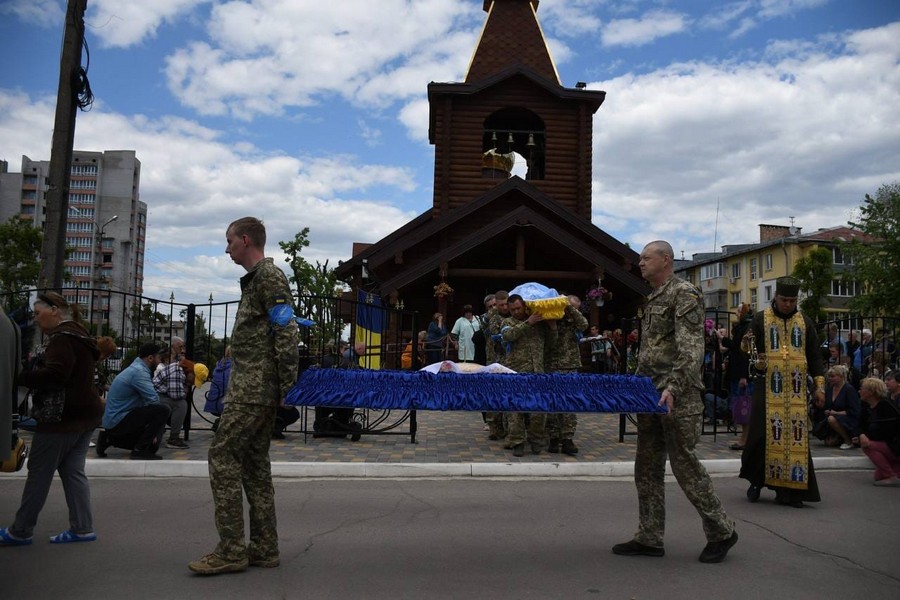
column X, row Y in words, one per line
column 747, row 272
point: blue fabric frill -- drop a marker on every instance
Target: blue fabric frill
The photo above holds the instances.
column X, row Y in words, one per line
column 518, row 392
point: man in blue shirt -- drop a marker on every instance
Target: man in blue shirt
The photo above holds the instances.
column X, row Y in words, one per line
column 134, row 418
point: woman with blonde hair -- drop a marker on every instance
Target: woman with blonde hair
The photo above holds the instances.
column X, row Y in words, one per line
column 879, row 431
column 837, row 419
column 66, row 361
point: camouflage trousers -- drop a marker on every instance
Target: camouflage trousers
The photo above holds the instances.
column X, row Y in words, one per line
column 497, row 423
column 516, row 434
column 239, row 460
column 561, row 426
column 661, row 436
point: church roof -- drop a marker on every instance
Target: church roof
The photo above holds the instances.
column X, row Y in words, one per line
column 511, row 36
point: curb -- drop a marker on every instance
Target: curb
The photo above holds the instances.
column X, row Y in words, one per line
column 301, row 470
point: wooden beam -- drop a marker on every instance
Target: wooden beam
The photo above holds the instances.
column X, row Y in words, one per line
column 517, row 274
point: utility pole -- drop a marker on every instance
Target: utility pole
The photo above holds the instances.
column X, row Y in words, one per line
column 53, row 248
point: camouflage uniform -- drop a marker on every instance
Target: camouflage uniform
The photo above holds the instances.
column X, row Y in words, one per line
column 672, row 356
column 264, row 368
column 528, row 344
column 566, row 358
column 495, row 353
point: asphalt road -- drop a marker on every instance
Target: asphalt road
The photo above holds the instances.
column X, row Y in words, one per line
column 462, row 538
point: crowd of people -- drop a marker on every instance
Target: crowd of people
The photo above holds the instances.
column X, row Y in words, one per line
column 760, row 375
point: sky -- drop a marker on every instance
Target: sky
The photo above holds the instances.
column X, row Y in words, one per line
column 719, row 116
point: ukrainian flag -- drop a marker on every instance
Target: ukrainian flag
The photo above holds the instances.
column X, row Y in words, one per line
column 371, row 321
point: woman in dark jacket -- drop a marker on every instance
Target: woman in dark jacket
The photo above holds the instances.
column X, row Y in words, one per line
column 68, row 360
column 879, row 428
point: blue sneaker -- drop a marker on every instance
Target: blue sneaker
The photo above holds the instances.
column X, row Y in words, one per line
column 70, row 536
column 8, row 539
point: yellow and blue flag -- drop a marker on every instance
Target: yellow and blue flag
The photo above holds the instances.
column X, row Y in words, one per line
column 371, row 322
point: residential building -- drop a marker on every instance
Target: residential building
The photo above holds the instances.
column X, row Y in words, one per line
column 747, row 272
column 105, row 230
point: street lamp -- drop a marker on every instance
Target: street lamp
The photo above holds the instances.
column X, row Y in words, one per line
column 96, row 279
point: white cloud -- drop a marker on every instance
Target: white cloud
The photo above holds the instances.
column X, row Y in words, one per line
column 194, row 184
column 265, row 55
column 768, row 140
column 570, row 18
column 770, row 9
column 123, row 24
column 44, row 13
column 638, row 32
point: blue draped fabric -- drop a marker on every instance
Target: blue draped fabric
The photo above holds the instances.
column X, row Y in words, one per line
column 519, row 392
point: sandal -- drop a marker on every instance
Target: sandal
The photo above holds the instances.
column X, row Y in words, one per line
column 69, row 536
column 736, row 446
column 8, row 539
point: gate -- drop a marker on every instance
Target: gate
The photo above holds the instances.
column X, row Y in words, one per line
column 133, row 320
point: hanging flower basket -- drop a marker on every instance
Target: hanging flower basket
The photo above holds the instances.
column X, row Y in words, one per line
column 442, row 290
column 599, row 295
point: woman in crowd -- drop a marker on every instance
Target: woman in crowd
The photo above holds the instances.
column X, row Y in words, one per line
column 436, row 338
column 837, row 420
column 406, row 359
column 67, row 360
column 879, row 427
column 215, row 397
column 737, row 372
column 893, row 386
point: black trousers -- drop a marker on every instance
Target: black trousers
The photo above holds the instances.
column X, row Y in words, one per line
column 141, row 429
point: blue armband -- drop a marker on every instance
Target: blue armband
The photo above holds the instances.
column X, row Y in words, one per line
column 282, row 314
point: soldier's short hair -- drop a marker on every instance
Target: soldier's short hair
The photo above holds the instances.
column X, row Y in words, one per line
column 501, row 295
column 516, row 298
column 488, row 298
column 252, row 227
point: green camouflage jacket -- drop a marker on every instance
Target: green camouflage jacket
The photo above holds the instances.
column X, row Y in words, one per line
column 527, row 344
column 672, row 343
column 264, row 355
column 566, row 355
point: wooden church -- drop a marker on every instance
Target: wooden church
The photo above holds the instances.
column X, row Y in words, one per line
column 488, row 229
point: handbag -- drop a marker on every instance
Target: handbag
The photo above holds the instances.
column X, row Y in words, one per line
column 47, row 404
column 740, row 410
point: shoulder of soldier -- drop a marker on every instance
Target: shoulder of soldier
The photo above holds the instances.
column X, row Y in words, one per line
column 680, row 286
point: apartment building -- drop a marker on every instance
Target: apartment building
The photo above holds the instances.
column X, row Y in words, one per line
column 747, row 272
column 105, row 229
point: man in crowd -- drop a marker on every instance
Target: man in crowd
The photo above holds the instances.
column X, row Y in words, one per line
column 566, row 358
column 495, row 352
column 265, row 364
column 672, row 356
column 169, row 383
column 528, row 336
column 133, row 417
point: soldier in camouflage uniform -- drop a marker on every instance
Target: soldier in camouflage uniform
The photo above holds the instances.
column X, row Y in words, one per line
column 672, row 356
column 566, row 358
column 264, row 367
column 529, row 337
column 495, row 353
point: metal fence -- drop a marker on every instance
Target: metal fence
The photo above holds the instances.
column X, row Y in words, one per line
column 206, row 329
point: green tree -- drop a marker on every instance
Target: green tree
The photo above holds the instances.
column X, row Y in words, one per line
column 315, row 286
column 145, row 319
column 815, row 273
column 876, row 254
column 19, row 258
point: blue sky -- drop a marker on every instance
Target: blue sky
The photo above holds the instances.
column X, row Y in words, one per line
column 310, row 113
